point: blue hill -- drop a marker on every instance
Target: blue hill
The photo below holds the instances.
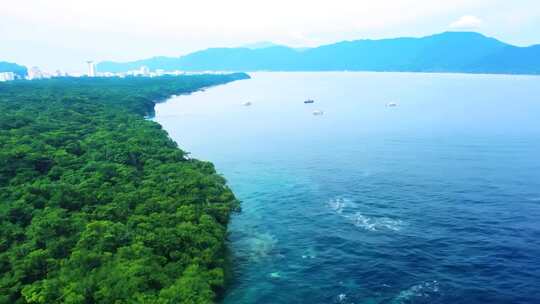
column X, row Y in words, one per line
column 12, row 67
column 447, row 52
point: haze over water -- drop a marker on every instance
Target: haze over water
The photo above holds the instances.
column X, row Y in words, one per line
column 436, row 200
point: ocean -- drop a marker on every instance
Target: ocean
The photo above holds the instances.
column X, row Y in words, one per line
column 409, row 188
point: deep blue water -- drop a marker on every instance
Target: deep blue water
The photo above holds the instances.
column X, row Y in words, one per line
column 436, row 200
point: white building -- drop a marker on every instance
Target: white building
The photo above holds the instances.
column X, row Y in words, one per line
column 7, row 76
column 34, row 73
column 91, row 69
column 144, row 71
column 59, row 73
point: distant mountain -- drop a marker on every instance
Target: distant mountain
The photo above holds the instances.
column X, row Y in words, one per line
column 465, row 52
column 13, row 67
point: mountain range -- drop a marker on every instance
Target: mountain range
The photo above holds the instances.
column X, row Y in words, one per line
column 466, row 52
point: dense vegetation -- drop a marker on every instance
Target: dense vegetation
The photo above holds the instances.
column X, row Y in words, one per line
column 12, row 67
column 446, row 52
column 98, row 204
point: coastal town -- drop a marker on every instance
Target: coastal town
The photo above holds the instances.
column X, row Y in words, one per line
column 35, row 72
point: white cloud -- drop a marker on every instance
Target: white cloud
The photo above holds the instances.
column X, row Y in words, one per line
column 467, row 23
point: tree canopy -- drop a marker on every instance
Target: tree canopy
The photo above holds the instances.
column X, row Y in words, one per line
column 98, row 204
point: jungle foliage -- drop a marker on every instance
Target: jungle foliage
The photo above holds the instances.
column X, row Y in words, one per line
column 98, row 204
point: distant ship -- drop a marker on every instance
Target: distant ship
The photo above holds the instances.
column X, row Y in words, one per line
column 309, row 101
column 318, row 112
column 247, row 104
column 391, row 104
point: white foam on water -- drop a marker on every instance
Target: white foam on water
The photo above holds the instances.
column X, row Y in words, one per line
column 275, row 275
column 257, row 246
column 423, row 290
column 346, row 209
column 341, row 297
column 375, row 223
column 338, row 204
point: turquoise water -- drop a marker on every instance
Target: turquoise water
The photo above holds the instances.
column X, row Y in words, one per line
column 436, row 200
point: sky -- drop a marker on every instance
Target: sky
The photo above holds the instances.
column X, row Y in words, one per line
column 63, row 34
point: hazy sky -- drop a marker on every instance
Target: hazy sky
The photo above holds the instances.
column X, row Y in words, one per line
column 63, row 33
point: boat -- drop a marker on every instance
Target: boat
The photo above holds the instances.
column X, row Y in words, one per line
column 309, row 101
column 391, row 104
column 318, row 112
column 246, row 104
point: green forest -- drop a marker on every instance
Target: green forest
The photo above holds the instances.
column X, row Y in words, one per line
column 98, row 204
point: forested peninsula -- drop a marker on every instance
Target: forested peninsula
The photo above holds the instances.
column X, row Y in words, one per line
column 98, row 204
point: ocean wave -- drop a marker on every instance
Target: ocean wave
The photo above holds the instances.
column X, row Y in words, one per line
column 309, row 254
column 338, row 204
column 422, row 291
column 347, row 209
column 341, row 297
column 257, row 246
column 275, row 275
column 376, row 223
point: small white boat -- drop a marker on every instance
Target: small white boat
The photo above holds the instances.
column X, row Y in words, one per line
column 246, row 104
column 318, row 112
column 391, row 104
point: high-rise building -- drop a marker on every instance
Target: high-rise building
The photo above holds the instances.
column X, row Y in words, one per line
column 144, row 71
column 7, row 76
column 59, row 73
column 91, row 69
column 34, row 73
